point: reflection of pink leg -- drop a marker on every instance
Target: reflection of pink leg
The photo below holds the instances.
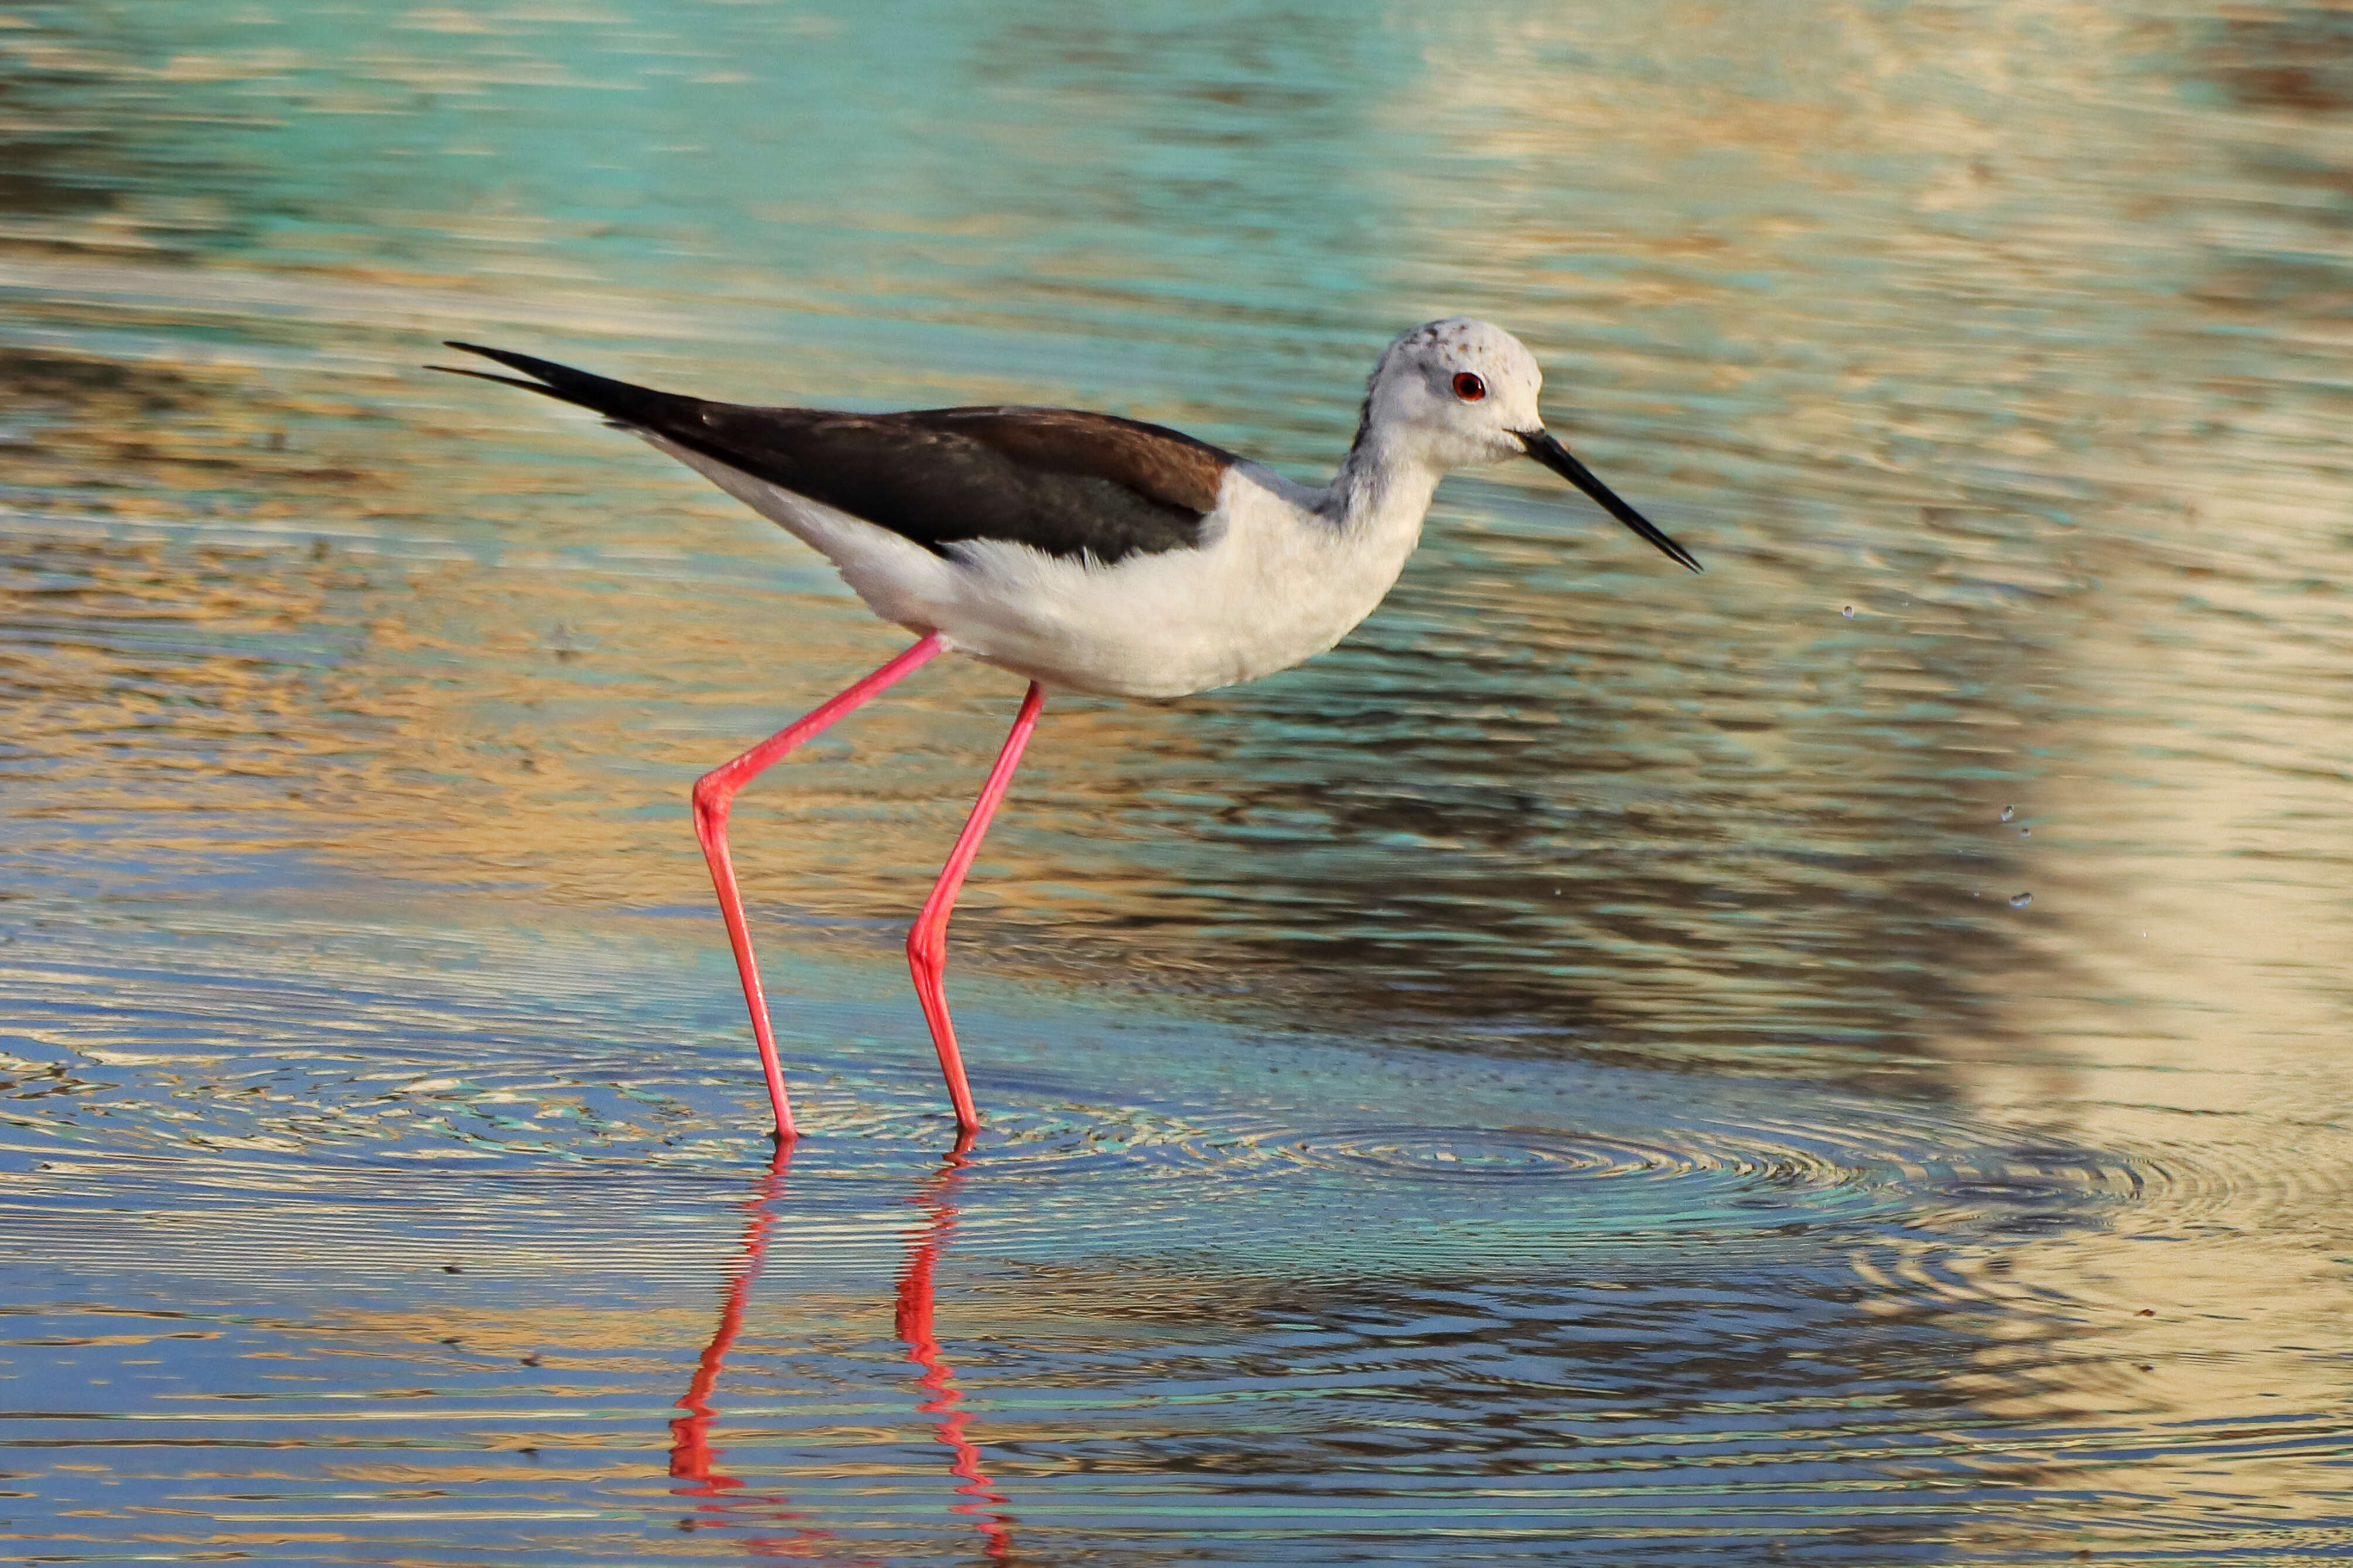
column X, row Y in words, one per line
column 713, row 795
column 691, row 1456
column 927, row 944
column 915, row 1303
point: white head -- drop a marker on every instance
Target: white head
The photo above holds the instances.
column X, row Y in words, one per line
column 1459, row 393
column 1454, row 394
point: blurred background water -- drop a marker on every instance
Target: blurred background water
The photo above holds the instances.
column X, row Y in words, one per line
column 1836, row 1060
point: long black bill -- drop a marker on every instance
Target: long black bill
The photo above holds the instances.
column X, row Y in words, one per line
column 1546, row 448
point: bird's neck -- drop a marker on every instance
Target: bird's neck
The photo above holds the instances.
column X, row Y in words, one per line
column 1381, row 486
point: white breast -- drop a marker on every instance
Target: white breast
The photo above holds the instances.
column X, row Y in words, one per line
column 1273, row 583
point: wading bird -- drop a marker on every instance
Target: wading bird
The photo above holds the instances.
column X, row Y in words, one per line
column 1080, row 550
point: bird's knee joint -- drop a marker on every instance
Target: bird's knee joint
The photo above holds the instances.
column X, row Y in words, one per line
column 710, row 797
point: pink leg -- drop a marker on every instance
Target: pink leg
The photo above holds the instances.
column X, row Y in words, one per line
column 715, row 790
column 927, row 944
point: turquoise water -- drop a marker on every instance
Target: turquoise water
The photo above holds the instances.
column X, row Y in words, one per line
column 1835, row 1060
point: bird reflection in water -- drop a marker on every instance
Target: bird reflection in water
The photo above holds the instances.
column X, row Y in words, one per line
column 936, row 1198
column 721, row 1500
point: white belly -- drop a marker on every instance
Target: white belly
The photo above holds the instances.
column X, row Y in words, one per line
column 1274, row 583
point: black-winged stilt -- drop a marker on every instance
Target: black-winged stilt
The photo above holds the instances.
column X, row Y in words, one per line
column 1080, row 550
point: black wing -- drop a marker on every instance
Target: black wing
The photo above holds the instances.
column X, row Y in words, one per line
column 1067, row 482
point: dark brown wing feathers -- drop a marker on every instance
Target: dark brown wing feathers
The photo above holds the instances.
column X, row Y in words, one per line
column 1067, row 482
column 1150, row 458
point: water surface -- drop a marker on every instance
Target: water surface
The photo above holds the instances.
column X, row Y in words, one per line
column 1838, row 1059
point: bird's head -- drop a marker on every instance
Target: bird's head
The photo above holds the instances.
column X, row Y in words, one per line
column 1459, row 393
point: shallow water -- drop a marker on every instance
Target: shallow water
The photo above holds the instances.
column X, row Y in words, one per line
column 1839, row 1059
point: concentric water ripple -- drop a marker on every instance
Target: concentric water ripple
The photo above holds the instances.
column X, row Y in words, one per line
column 451, row 1156
column 1473, row 1155
column 1250, row 1154
column 1718, row 1292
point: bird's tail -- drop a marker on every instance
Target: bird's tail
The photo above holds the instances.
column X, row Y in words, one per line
column 622, row 402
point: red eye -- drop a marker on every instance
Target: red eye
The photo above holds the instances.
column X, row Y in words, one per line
column 1469, row 387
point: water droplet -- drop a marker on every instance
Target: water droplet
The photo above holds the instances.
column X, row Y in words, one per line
column 2019, row 900
column 2008, row 812
column 1848, row 612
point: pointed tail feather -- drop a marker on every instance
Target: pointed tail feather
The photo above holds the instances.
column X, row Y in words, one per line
column 618, row 400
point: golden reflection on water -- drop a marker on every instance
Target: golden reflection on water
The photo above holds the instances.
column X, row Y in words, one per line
column 2201, row 969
